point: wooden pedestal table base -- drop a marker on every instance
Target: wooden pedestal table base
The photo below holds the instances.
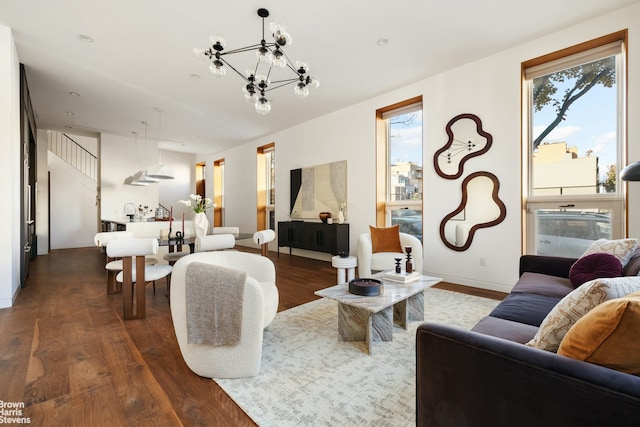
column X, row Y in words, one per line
column 371, row 319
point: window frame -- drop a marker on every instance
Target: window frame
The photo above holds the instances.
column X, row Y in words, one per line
column 265, row 182
column 218, row 192
column 384, row 204
column 616, row 201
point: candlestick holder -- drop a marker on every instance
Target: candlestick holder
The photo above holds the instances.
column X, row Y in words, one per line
column 409, row 264
column 398, row 267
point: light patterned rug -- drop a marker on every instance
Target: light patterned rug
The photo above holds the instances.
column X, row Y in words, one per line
column 308, row 377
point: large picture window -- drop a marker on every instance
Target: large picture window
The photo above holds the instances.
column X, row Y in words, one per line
column 575, row 128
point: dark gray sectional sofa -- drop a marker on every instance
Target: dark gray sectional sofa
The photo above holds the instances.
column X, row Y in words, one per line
column 487, row 377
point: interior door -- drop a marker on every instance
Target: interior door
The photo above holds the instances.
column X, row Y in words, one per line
column 27, row 179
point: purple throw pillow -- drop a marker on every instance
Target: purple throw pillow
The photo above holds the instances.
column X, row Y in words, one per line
column 594, row 266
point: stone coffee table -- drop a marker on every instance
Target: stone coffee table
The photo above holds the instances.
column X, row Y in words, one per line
column 371, row 318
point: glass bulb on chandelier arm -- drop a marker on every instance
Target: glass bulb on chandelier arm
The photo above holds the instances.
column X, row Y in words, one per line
column 312, row 82
column 262, row 82
column 279, row 58
column 217, row 67
column 301, row 67
column 264, row 54
column 301, row 90
column 200, row 53
column 280, row 34
column 263, row 106
column 217, row 43
column 250, row 94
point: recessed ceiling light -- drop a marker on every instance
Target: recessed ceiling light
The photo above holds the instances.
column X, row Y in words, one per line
column 86, row 38
column 195, row 76
column 383, row 41
column 74, row 94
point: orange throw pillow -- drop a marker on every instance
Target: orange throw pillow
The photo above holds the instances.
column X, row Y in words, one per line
column 385, row 239
column 608, row 335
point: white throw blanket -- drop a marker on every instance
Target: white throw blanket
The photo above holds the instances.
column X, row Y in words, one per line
column 214, row 297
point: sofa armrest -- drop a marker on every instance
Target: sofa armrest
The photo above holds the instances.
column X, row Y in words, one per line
column 469, row 379
column 551, row 265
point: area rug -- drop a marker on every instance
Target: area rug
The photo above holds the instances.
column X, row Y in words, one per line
column 308, row 377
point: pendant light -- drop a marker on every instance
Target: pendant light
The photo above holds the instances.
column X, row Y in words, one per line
column 160, row 170
column 134, row 179
column 142, row 175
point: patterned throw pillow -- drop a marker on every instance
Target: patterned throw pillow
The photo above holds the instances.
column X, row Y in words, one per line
column 578, row 303
column 608, row 336
column 621, row 248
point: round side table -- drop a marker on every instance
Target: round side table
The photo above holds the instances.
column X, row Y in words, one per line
column 346, row 268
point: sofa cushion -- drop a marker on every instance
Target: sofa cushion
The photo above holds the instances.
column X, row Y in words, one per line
column 620, row 248
column 385, row 239
column 578, row 303
column 594, row 266
column 505, row 329
column 608, row 335
column 633, row 266
column 543, row 284
column 530, row 309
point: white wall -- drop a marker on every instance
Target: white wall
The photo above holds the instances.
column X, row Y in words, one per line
column 10, row 222
column 71, row 202
column 118, row 160
column 73, row 206
column 489, row 88
column 42, row 195
column 179, row 188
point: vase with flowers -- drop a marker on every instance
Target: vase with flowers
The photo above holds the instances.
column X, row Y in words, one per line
column 199, row 205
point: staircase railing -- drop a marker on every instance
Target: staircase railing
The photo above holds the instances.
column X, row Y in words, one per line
column 165, row 211
column 74, row 154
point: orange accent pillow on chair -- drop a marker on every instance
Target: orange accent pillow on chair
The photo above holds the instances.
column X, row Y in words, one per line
column 385, row 239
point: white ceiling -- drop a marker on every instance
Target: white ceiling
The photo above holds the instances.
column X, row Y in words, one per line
column 142, row 57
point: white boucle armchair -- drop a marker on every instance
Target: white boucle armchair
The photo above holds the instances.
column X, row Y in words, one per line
column 260, row 304
column 369, row 263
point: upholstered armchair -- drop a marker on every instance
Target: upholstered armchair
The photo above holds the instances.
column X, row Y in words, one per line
column 370, row 262
column 259, row 307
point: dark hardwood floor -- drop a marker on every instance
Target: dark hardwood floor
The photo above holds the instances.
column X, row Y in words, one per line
column 68, row 355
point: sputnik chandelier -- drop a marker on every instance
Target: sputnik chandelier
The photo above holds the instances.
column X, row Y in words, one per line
column 269, row 56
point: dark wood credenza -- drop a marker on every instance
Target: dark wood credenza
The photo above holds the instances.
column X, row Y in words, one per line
column 314, row 236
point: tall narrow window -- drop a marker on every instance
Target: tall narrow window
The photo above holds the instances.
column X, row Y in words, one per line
column 266, row 185
column 399, row 159
column 575, row 129
column 218, row 193
column 200, row 179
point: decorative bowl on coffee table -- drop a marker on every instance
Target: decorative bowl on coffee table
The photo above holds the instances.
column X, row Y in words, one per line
column 366, row 287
